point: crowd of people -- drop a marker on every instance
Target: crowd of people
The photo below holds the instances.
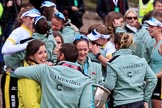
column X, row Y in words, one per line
column 47, row 62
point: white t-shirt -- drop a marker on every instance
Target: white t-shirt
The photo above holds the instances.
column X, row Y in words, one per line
column 12, row 44
column 109, row 48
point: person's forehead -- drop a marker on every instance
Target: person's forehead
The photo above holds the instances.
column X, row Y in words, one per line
column 131, row 14
column 158, row 4
column 56, row 21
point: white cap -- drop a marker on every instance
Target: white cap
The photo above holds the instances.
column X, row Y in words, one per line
column 31, row 13
column 154, row 22
column 48, row 4
column 94, row 35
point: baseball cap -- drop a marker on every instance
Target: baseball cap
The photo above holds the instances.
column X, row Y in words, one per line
column 31, row 13
column 48, row 4
column 94, row 35
column 153, row 22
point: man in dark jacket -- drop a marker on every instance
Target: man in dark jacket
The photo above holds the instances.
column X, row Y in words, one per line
column 106, row 6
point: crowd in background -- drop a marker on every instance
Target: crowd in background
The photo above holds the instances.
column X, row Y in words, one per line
column 47, row 62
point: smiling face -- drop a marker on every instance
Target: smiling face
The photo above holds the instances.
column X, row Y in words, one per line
column 28, row 22
column 131, row 19
column 154, row 31
column 83, row 49
column 57, row 24
column 40, row 56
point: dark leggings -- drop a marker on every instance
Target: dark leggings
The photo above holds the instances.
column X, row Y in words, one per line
column 132, row 105
column 9, row 91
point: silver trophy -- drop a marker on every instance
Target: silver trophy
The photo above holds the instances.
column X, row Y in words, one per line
column 100, row 96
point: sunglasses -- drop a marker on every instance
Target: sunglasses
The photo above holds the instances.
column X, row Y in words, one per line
column 95, row 43
column 60, row 16
column 130, row 18
column 79, row 37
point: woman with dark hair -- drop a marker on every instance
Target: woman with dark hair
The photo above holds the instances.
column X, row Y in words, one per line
column 90, row 68
column 35, row 54
column 42, row 32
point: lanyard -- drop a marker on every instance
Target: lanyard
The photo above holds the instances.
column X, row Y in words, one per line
column 115, row 2
column 76, row 3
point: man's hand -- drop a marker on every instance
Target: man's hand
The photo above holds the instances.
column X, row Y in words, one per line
column 74, row 8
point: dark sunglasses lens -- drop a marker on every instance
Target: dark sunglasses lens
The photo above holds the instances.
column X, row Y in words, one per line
column 130, row 18
column 94, row 43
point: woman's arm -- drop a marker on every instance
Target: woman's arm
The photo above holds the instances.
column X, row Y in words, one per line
column 29, row 93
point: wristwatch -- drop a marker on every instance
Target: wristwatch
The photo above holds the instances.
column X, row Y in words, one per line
column 97, row 55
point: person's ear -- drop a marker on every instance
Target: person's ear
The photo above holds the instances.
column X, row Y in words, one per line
column 62, row 57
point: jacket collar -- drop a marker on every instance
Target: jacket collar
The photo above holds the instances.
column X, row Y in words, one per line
column 123, row 52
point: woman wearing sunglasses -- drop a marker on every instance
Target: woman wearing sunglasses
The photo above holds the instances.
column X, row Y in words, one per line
column 91, row 69
column 141, row 37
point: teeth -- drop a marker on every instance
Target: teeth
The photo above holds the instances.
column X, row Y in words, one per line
column 43, row 60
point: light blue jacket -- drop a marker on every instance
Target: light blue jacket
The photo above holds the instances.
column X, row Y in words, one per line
column 62, row 86
column 126, row 74
column 142, row 40
column 16, row 60
column 93, row 70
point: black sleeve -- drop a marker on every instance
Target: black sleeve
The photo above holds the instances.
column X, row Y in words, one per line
column 100, row 10
column 126, row 5
column 81, row 6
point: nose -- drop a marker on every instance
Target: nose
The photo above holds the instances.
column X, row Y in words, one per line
column 82, row 52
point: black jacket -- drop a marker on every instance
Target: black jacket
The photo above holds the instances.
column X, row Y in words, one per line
column 106, row 6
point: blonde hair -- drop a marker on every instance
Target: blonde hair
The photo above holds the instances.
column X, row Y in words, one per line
column 130, row 11
column 123, row 40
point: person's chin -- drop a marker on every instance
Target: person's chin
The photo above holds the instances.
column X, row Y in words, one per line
column 82, row 58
